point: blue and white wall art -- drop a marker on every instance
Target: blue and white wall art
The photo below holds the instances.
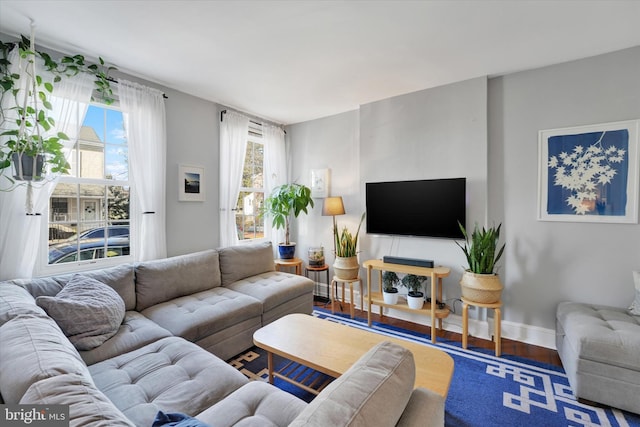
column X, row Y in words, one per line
column 589, row 173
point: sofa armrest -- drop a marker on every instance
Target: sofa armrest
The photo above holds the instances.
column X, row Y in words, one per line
column 374, row 391
column 425, row 408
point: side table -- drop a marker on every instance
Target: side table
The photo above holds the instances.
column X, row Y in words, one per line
column 496, row 320
column 288, row 263
column 317, row 270
column 334, row 290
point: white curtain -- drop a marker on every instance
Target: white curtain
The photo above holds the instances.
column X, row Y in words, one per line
column 275, row 170
column 234, row 131
column 144, row 117
column 21, row 239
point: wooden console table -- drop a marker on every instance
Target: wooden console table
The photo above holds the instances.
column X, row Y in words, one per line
column 435, row 273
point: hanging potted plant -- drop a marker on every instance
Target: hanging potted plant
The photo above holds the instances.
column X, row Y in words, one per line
column 415, row 297
column 389, row 290
column 346, row 264
column 285, row 201
column 29, row 148
column 480, row 283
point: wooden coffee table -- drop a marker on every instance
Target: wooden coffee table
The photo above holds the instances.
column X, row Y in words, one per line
column 332, row 348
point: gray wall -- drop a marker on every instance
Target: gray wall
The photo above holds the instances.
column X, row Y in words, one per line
column 330, row 142
column 193, row 139
column 430, row 134
column 547, row 262
column 442, row 132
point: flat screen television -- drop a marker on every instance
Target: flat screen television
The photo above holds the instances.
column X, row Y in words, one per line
column 428, row 208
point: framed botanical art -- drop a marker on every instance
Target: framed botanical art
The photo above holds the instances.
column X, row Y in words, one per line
column 320, row 183
column 589, row 173
column 191, row 183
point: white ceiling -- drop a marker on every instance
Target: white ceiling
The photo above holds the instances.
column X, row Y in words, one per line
column 291, row 61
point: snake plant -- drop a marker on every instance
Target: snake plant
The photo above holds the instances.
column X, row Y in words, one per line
column 480, row 248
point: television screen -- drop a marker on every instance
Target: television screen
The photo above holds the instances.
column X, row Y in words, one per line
column 430, row 208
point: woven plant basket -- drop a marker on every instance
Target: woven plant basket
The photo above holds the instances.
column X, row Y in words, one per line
column 346, row 267
column 482, row 288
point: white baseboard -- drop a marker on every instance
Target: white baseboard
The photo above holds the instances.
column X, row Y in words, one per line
column 529, row 334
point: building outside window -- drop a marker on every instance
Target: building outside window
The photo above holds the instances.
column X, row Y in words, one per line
column 249, row 222
column 89, row 210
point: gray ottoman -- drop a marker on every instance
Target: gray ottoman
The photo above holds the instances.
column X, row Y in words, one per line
column 600, row 350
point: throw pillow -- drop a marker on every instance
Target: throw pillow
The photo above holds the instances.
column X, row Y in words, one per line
column 635, row 305
column 88, row 311
column 176, row 419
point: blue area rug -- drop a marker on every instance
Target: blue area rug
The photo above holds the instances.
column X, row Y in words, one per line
column 485, row 390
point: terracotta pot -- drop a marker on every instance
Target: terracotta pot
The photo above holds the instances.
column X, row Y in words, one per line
column 346, row 267
column 482, row 288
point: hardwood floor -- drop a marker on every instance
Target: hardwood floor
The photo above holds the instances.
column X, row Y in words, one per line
column 516, row 348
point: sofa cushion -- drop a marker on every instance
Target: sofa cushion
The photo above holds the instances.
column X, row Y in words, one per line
column 88, row 311
column 238, row 262
column 135, row 331
column 162, row 280
column 176, row 419
column 374, row 391
column 120, row 278
column 274, row 288
column 88, row 406
column 635, row 305
column 202, row 314
column 254, row 404
column 34, row 348
column 15, row 300
column 425, row 409
column 602, row 334
column 170, row 375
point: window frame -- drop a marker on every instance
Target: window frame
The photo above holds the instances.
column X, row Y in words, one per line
column 255, row 136
column 43, row 267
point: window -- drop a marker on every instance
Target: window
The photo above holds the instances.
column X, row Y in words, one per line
column 93, row 200
column 249, row 222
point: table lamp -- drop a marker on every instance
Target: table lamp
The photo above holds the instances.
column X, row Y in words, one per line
column 332, row 206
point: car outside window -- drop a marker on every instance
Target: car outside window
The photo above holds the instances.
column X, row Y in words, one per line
column 93, row 200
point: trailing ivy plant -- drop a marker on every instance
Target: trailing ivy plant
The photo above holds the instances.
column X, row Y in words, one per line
column 25, row 120
column 481, row 248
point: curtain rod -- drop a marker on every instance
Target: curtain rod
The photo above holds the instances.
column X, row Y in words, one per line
column 111, row 79
column 223, row 112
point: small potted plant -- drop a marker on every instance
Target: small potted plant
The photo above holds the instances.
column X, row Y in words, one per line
column 480, row 283
column 415, row 297
column 389, row 290
column 346, row 264
column 284, row 202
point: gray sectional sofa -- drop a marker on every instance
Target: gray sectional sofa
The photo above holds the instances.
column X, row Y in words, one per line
column 121, row 344
column 600, row 350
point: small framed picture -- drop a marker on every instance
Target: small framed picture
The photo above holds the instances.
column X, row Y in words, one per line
column 320, row 183
column 589, row 173
column 190, row 183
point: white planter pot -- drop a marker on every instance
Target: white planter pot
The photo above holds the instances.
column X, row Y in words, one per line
column 415, row 302
column 390, row 297
column 346, row 267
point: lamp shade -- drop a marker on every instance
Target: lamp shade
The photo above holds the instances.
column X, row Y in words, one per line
column 332, row 206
